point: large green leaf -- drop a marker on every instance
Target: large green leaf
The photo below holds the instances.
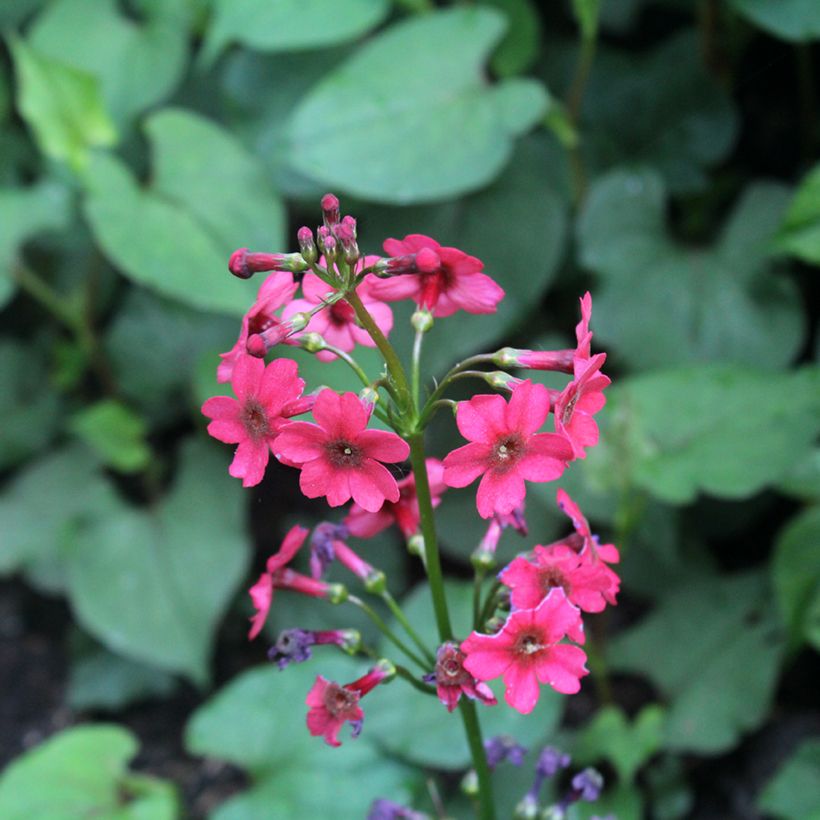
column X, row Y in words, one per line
column 152, row 585
column 721, row 429
column 137, row 65
column 63, row 106
column 712, row 650
column 82, row 772
column 408, row 118
column 177, row 235
column 636, row 110
column 25, row 212
column 789, row 19
column 695, row 305
column 799, row 235
column 290, row 25
column 794, row 792
column 115, row 432
column 796, row 576
column 258, row 722
column 422, row 731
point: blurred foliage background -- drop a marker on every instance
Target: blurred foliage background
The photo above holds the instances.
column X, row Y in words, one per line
column 659, row 152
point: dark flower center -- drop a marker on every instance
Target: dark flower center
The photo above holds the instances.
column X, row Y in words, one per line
column 254, row 419
column 449, row 667
column 338, row 699
column 528, row 644
column 342, row 453
column 507, row 451
column 341, row 313
column 553, row 577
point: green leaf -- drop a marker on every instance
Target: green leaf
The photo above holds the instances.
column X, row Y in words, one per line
column 796, row 20
column 422, row 731
column 626, row 744
column 62, row 105
column 176, row 236
column 794, row 792
column 289, row 25
column 115, row 432
column 41, row 509
column 661, row 109
column 799, row 235
column 29, row 409
column 624, row 802
column 136, row 64
column 25, row 212
column 696, row 304
column 796, row 577
column 518, row 50
column 101, row 680
column 525, row 210
column 258, row 722
column 803, row 478
column 718, row 670
column 144, row 583
column 408, row 119
column 81, row 772
column 721, row 429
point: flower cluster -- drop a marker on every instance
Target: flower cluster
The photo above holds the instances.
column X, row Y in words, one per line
column 353, row 451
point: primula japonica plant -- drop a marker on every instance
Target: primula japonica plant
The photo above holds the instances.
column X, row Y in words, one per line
column 528, row 620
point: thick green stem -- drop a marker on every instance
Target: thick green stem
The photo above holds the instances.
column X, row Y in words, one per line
column 433, row 561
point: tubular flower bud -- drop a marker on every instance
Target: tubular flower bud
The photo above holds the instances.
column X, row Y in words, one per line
column 425, row 261
column 345, row 232
column 330, row 210
column 294, row 645
column 559, row 360
column 259, row 344
column 327, row 243
column 307, row 247
column 245, row 264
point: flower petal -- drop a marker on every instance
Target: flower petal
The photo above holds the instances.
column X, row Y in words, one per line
column 528, row 408
column 249, row 462
column 383, row 445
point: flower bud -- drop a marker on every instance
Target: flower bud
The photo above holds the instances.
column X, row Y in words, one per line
column 244, row 264
column 330, row 210
column 501, row 380
column 307, row 246
column 422, row 320
column 312, row 342
column 327, row 244
column 259, row 344
column 469, row 783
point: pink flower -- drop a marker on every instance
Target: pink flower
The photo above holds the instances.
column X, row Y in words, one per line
column 527, row 652
column 276, row 290
column 265, row 398
column 332, row 705
column 505, row 448
column 404, row 512
column 337, row 323
column 586, row 584
column 592, row 551
column 338, row 457
column 578, row 402
column 453, row 680
column 262, row 591
column 448, row 279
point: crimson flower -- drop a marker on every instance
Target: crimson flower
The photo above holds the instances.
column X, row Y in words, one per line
column 275, row 291
column 332, row 705
column 585, row 583
column 579, row 401
column 262, row 591
column 265, row 398
column 339, row 458
column 452, row 680
column 404, row 512
column 448, row 279
column 527, row 652
column 504, row 448
column 337, row 322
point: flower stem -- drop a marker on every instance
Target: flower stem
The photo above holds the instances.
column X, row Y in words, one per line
column 433, row 561
column 387, row 632
column 402, row 672
column 416, row 368
column 399, row 615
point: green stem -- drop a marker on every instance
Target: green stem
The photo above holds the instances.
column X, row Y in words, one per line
column 399, row 615
column 402, row 672
column 416, row 369
column 575, row 98
column 433, row 561
column 477, row 584
column 429, row 405
column 351, row 362
column 489, row 605
column 52, row 301
column 387, row 632
column 391, row 359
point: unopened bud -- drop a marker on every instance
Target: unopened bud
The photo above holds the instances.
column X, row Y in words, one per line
column 415, row 546
column 307, row 246
column 483, row 559
column 259, row 344
column 244, row 264
column 312, row 342
column 501, row 380
column 327, row 243
column 422, row 320
column 330, row 210
column 336, row 593
column 375, row 582
column 425, row 261
column 469, row 783
column 345, row 232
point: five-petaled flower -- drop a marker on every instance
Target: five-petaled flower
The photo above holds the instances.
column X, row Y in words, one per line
column 339, row 458
column 452, row 680
column 505, row 448
column 266, row 397
column 527, row 652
